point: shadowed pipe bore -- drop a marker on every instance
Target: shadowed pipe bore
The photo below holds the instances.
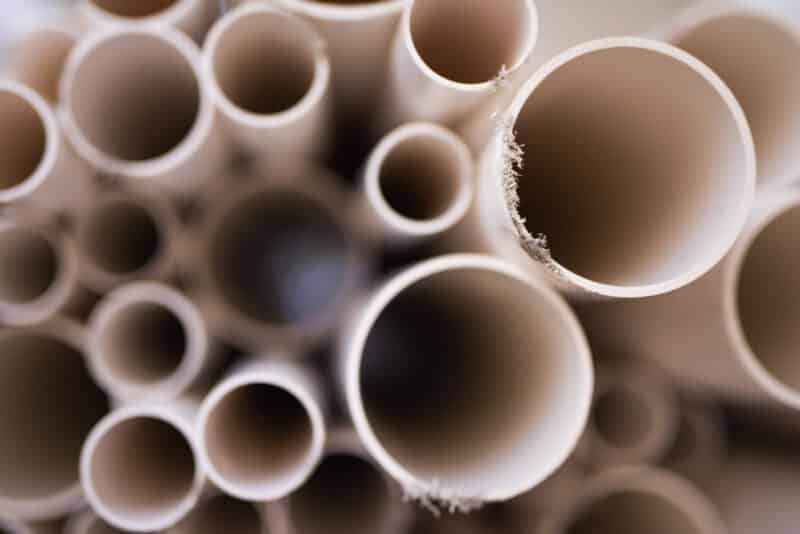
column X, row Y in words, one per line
column 138, row 9
column 221, row 514
column 29, row 265
column 22, row 140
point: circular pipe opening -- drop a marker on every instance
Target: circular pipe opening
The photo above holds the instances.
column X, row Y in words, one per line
column 29, row 265
column 622, row 417
column 221, row 514
column 23, row 139
column 137, row 9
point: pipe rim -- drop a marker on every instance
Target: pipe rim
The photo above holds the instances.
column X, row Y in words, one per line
column 171, row 15
column 345, row 13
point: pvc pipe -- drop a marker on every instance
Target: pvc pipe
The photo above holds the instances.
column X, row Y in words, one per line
column 49, row 406
column 37, row 60
column 36, row 165
column 737, row 324
column 114, row 115
column 282, row 259
column 593, row 207
column 262, row 430
column 444, row 72
column 147, row 340
column 139, row 467
column 630, row 500
column 634, row 418
column 222, row 513
column 89, row 522
column 267, row 113
column 10, row 525
column 192, row 16
column 468, row 381
column 417, row 183
column 126, row 234
column 756, row 55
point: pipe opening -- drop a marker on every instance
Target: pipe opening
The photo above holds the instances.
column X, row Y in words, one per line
column 135, row 96
column 421, row 177
column 259, row 437
column 768, row 297
column 631, row 179
column 50, row 404
column 23, row 139
column 265, row 63
column 155, row 461
column 29, row 265
column 759, row 60
column 479, row 39
column 362, row 498
column 280, row 257
column 462, row 382
column 143, row 343
column 622, row 417
column 221, row 514
column 122, row 237
column 632, row 512
column 137, row 9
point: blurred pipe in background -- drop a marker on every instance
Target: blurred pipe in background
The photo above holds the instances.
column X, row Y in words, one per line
column 417, row 184
column 221, row 513
column 192, row 16
column 758, row 56
column 466, row 380
column 152, row 449
column 88, row 522
column 147, row 340
column 133, row 106
column 269, row 75
column 450, row 56
column 347, row 493
column 37, row 59
column 10, row 525
column 49, row 406
column 634, row 500
column 262, row 429
column 571, row 188
column 738, row 324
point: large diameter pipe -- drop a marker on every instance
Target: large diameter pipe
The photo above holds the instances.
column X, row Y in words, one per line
column 467, row 380
column 147, row 340
column 222, row 513
column 443, row 72
column 571, row 187
column 49, row 406
column 158, row 125
column 757, row 54
column 139, row 466
column 738, row 324
column 268, row 74
column 632, row 500
column 417, row 183
column 37, row 60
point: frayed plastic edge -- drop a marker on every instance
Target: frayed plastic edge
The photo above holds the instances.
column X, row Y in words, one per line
column 437, row 500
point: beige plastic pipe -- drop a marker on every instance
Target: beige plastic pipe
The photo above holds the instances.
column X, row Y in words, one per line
column 148, row 341
column 132, row 105
column 633, row 500
column 571, row 187
column 347, row 493
column 262, row 429
column 36, row 165
column 88, row 522
column 10, row 525
column 192, row 16
column 126, row 234
column 268, row 73
column 634, row 418
column 37, row 60
column 139, row 467
column 738, row 324
column 467, row 380
column 222, row 513
column 450, row 56
column 417, row 183
column 757, row 55
column 49, row 406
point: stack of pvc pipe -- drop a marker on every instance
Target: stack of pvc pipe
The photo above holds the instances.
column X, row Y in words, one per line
column 400, row 267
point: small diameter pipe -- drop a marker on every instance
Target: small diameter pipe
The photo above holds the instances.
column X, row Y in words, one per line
column 569, row 191
column 221, row 513
column 468, row 381
column 268, row 73
column 147, row 340
column 124, row 235
column 634, row 418
column 37, row 60
column 133, row 106
column 49, row 406
column 738, row 323
column 450, row 56
column 89, row 522
column 417, row 183
column 192, row 16
column 139, row 466
column 262, row 430
column 757, row 55
column 632, row 500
